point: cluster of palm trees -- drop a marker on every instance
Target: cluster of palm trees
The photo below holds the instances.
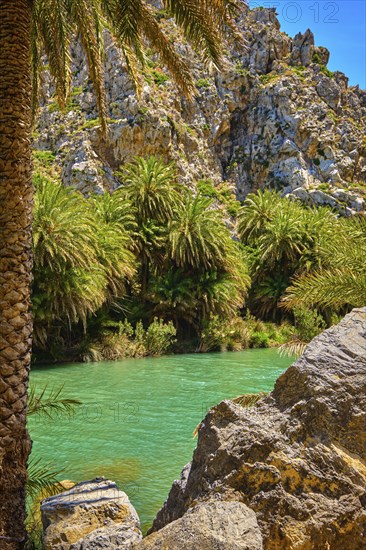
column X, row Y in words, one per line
column 149, row 249
column 301, row 257
column 168, row 260
column 153, row 248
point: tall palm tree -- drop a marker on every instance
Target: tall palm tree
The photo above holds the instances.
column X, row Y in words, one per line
column 198, row 238
column 152, row 188
column 28, row 27
column 81, row 256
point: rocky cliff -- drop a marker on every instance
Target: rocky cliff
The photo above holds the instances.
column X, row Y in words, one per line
column 276, row 117
column 288, row 473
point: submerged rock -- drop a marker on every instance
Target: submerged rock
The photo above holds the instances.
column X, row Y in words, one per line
column 296, row 459
column 90, row 516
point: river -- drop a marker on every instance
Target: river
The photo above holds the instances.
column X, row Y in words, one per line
column 137, row 418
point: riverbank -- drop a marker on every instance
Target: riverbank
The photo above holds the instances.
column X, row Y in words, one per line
column 126, row 342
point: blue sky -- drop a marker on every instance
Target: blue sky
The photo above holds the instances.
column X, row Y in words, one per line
column 338, row 25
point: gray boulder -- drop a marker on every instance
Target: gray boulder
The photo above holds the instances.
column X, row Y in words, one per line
column 212, row 525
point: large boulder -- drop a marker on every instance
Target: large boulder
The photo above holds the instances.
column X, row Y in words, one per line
column 211, row 525
column 296, row 459
column 90, row 516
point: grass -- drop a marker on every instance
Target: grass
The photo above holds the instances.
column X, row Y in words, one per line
column 202, row 83
column 267, row 78
column 159, row 76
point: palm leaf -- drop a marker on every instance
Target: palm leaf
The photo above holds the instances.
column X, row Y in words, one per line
column 42, row 477
column 50, row 403
column 293, row 348
column 248, row 400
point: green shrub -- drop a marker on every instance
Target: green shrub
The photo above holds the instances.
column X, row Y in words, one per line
column 308, row 323
column 159, row 337
column 130, row 342
column 158, row 76
column 202, row 83
column 326, row 71
column 207, row 188
column 224, row 334
column 44, row 158
column 259, row 340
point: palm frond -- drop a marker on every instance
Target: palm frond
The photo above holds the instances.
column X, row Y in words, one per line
column 293, row 348
column 328, row 287
column 248, row 400
column 50, row 402
column 42, row 477
column 201, row 21
column 86, row 16
column 52, row 28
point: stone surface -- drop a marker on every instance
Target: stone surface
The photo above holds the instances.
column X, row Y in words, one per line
column 211, row 525
column 296, row 459
column 269, row 119
column 90, row 516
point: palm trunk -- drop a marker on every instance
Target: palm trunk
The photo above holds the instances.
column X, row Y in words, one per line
column 15, row 265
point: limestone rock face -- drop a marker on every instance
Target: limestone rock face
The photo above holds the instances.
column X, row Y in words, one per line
column 296, row 459
column 211, row 525
column 274, row 117
column 90, row 516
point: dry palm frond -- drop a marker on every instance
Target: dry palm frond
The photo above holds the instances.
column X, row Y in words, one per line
column 249, row 399
column 293, row 348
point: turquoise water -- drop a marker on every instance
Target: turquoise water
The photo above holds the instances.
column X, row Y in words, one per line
column 136, row 422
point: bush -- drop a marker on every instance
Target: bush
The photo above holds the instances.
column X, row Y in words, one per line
column 224, row 334
column 159, row 77
column 130, row 342
column 259, row 340
column 266, row 335
column 308, row 323
column 159, row 337
column 202, row 83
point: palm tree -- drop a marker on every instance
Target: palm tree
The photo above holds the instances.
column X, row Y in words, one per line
column 255, row 214
column 28, row 27
column 174, row 296
column 151, row 187
column 341, row 280
column 81, row 256
column 198, row 238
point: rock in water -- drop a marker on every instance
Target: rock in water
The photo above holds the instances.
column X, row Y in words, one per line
column 297, row 459
column 90, row 516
